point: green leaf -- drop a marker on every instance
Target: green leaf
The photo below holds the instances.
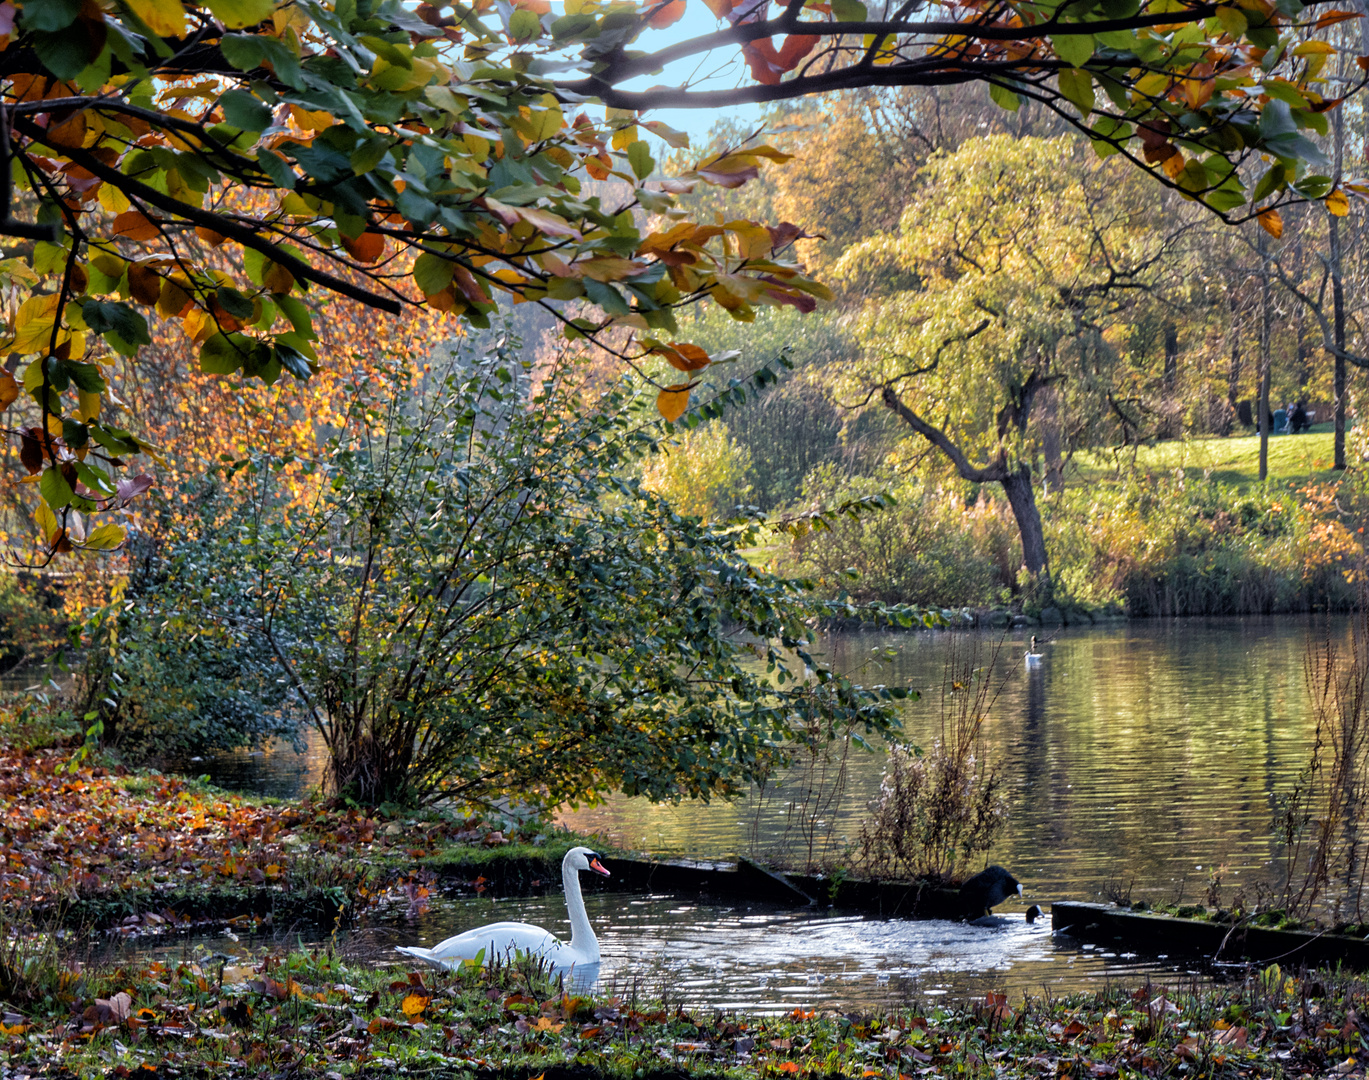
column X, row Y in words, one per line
column 223, row 354
column 1077, row 86
column 293, row 361
column 639, row 157
column 49, row 15
column 432, row 274
column 244, row 111
column 1075, row 49
column 1004, row 98
column 106, row 537
column 849, row 10
column 56, row 491
column 103, row 316
column 66, row 54
column 247, row 51
column 369, row 154
column 275, row 167
column 524, row 26
column 297, row 313
column 234, row 302
column 86, row 376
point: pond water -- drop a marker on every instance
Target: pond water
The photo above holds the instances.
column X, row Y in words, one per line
column 763, row 959
column 1137, row 758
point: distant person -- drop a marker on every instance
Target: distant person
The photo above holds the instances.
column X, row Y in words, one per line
column 1279, row 424
column 1244, row 415
column 1299, row 421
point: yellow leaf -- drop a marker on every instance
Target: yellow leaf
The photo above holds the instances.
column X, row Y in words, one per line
column 163, row 17
column 672, row 402
column 1314, row 48
column 1337, row 203
column 89, row 405
column 46, row 521
column 1271, row 223
column 33, row 323
column 414, row 1004
column 9, row 390
column 235, row 14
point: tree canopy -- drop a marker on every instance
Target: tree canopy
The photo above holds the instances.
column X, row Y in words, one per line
column 228, row 163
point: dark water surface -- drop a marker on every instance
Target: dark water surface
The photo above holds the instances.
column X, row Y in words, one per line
column 1138, row 756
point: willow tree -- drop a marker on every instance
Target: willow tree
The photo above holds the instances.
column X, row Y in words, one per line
column 439, row 155
column 1024, row 259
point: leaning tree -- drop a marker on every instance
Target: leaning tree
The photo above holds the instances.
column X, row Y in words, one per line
column 230, row 163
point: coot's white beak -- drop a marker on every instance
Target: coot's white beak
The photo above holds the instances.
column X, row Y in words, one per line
column 598, row 867
column 1019, row 888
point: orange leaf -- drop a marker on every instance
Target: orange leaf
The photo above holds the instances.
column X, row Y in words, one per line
column 1337, row 203
column 209, row 236
column 666, row 14
column 1271, row 223
column 684, row 357
column 367, row 248
column 787, row 1067
column 132, row 225
column 673, row 401
column 9, row 390
column 414, row 1004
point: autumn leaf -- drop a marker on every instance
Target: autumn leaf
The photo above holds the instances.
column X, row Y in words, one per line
column 414, row 1004
column 1337, row 203
column 1272, row 223
column 673, row 401
column 134, row 225
column 9, row 390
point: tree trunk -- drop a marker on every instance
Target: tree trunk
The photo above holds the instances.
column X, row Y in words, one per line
column 1017, row 484
column 1265, row 328
column 1233, row 374
column 1338, row 304
column 1021, row 492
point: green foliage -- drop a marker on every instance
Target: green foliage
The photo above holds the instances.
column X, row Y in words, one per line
column 1166, row 546
column 493, row 610
column 32, row 624
column 929, row 548
column 703, row 472
column 174, row 665
column 793, row 426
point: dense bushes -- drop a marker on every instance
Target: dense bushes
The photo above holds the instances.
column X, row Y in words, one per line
column 1155, row 545
column 174, row 663
column 928, row 548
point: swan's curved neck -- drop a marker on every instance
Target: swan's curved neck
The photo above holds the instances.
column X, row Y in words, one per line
column 582, row 938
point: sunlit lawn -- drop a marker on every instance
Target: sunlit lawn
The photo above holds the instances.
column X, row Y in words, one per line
column 1236, row 460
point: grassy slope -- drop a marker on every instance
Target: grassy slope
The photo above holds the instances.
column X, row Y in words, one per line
column 1292, row 459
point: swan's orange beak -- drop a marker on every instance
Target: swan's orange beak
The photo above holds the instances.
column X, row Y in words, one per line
column 598, row 867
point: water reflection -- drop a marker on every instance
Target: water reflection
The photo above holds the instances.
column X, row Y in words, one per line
column 1144, row 756
column 1140, row 755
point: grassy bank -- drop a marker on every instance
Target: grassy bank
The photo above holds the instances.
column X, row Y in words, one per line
column 316, row 1015
column 1233, row 460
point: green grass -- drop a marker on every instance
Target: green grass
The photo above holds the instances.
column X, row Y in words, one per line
column 1236, row 460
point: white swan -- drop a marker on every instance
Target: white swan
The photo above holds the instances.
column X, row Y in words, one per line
column 1033, row 657
column 506, row 938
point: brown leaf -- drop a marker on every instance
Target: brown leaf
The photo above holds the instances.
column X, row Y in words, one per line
column 133, row 225
column 1272, row 223
column 144, row 283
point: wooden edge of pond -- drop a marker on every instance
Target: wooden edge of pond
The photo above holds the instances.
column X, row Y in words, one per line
column 1143, row 931
column 744, row 880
